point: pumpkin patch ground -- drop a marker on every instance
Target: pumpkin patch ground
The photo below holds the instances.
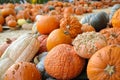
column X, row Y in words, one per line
column 58, row 40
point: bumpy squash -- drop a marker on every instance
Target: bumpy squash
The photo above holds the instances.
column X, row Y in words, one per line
column 23, row 49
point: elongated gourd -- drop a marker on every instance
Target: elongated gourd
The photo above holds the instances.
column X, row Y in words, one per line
column 23, row 49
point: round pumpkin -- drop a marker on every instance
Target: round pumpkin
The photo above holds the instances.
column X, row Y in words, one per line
column 10, row 5
column 70, row 25
column 104, row 64
column 63, row 63
column 116, row 19
column 2, row 20
column 22, row 71
column 87, row 28
column 86, row 44
column 12, row 23
column 79, row 10
column 10, row 17
column 46, row 24
column 7, row 11
column 112, row 35
column 69, row 10
column 56, row 37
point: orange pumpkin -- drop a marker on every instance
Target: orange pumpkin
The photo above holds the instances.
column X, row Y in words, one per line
column 63, row 63
column 79, row 10
column 87, row 28
column 56, row 37
column 43, row 40
column 23, row 71
column 112, row 35
column 46, row 24
column 69, row 10
column 70, row 25
column 116, row 19
column 104, row 64
column 10, row 17
column 86, row 44
column 7, row 11
column 2, row 20
column 12, row 23
column 10, row 5
column 1, row 29
column 19, row 16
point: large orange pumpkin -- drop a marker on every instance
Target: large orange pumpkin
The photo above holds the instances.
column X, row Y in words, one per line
column 112, row 35
column 86, row 44
column 46, row 24
column 57, row 37
column 116, row 19
column 63, row 63
column 105, row 64
column 23, row 71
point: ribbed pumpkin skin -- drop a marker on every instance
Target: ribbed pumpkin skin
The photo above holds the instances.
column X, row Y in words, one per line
column 23, row 49
column 116, row 19
column 112, row 35
column 22, row 71
column 109, row 55
column 63, row 63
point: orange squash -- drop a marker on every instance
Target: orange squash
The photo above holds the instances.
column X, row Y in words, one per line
column 22, row 71
column 63, row 63
column 56, row 37
column 104, row 64
column 116, row 19
column 46, row 24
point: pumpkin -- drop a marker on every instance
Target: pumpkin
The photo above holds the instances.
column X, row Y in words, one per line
column 115, row 19
column 19, row 16
column 104, row 64
column 69, row 10
column 62, row 61
column 98, row 20
column 56, row 37
column 86, row 44
column 46, row 24
column 5, row 45
column 23, row 71
column 112, row 35
column 10, row 5
column 113, row 10
column 43, row 40
column 2, row 20
column 1, row 28
column 87, row 28
column 10, row 17
column 22, row 49
column 79, row 10
column 12, row 23
column 21, row 22
column 70, row 25
column 7, row 11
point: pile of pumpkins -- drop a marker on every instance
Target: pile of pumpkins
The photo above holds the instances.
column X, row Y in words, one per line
column 14, row 15
column 65, row 49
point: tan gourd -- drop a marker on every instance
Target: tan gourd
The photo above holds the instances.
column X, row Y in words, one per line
column 23, row 49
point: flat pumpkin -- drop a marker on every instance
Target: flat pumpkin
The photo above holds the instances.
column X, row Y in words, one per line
column 104, row 64
column 63, row 63
column 56, row 37
column 46, row 24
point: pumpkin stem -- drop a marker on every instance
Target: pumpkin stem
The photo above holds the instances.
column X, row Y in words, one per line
column 113, row 35
column 8, row 40
column 110, row 69
column 67, row 29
